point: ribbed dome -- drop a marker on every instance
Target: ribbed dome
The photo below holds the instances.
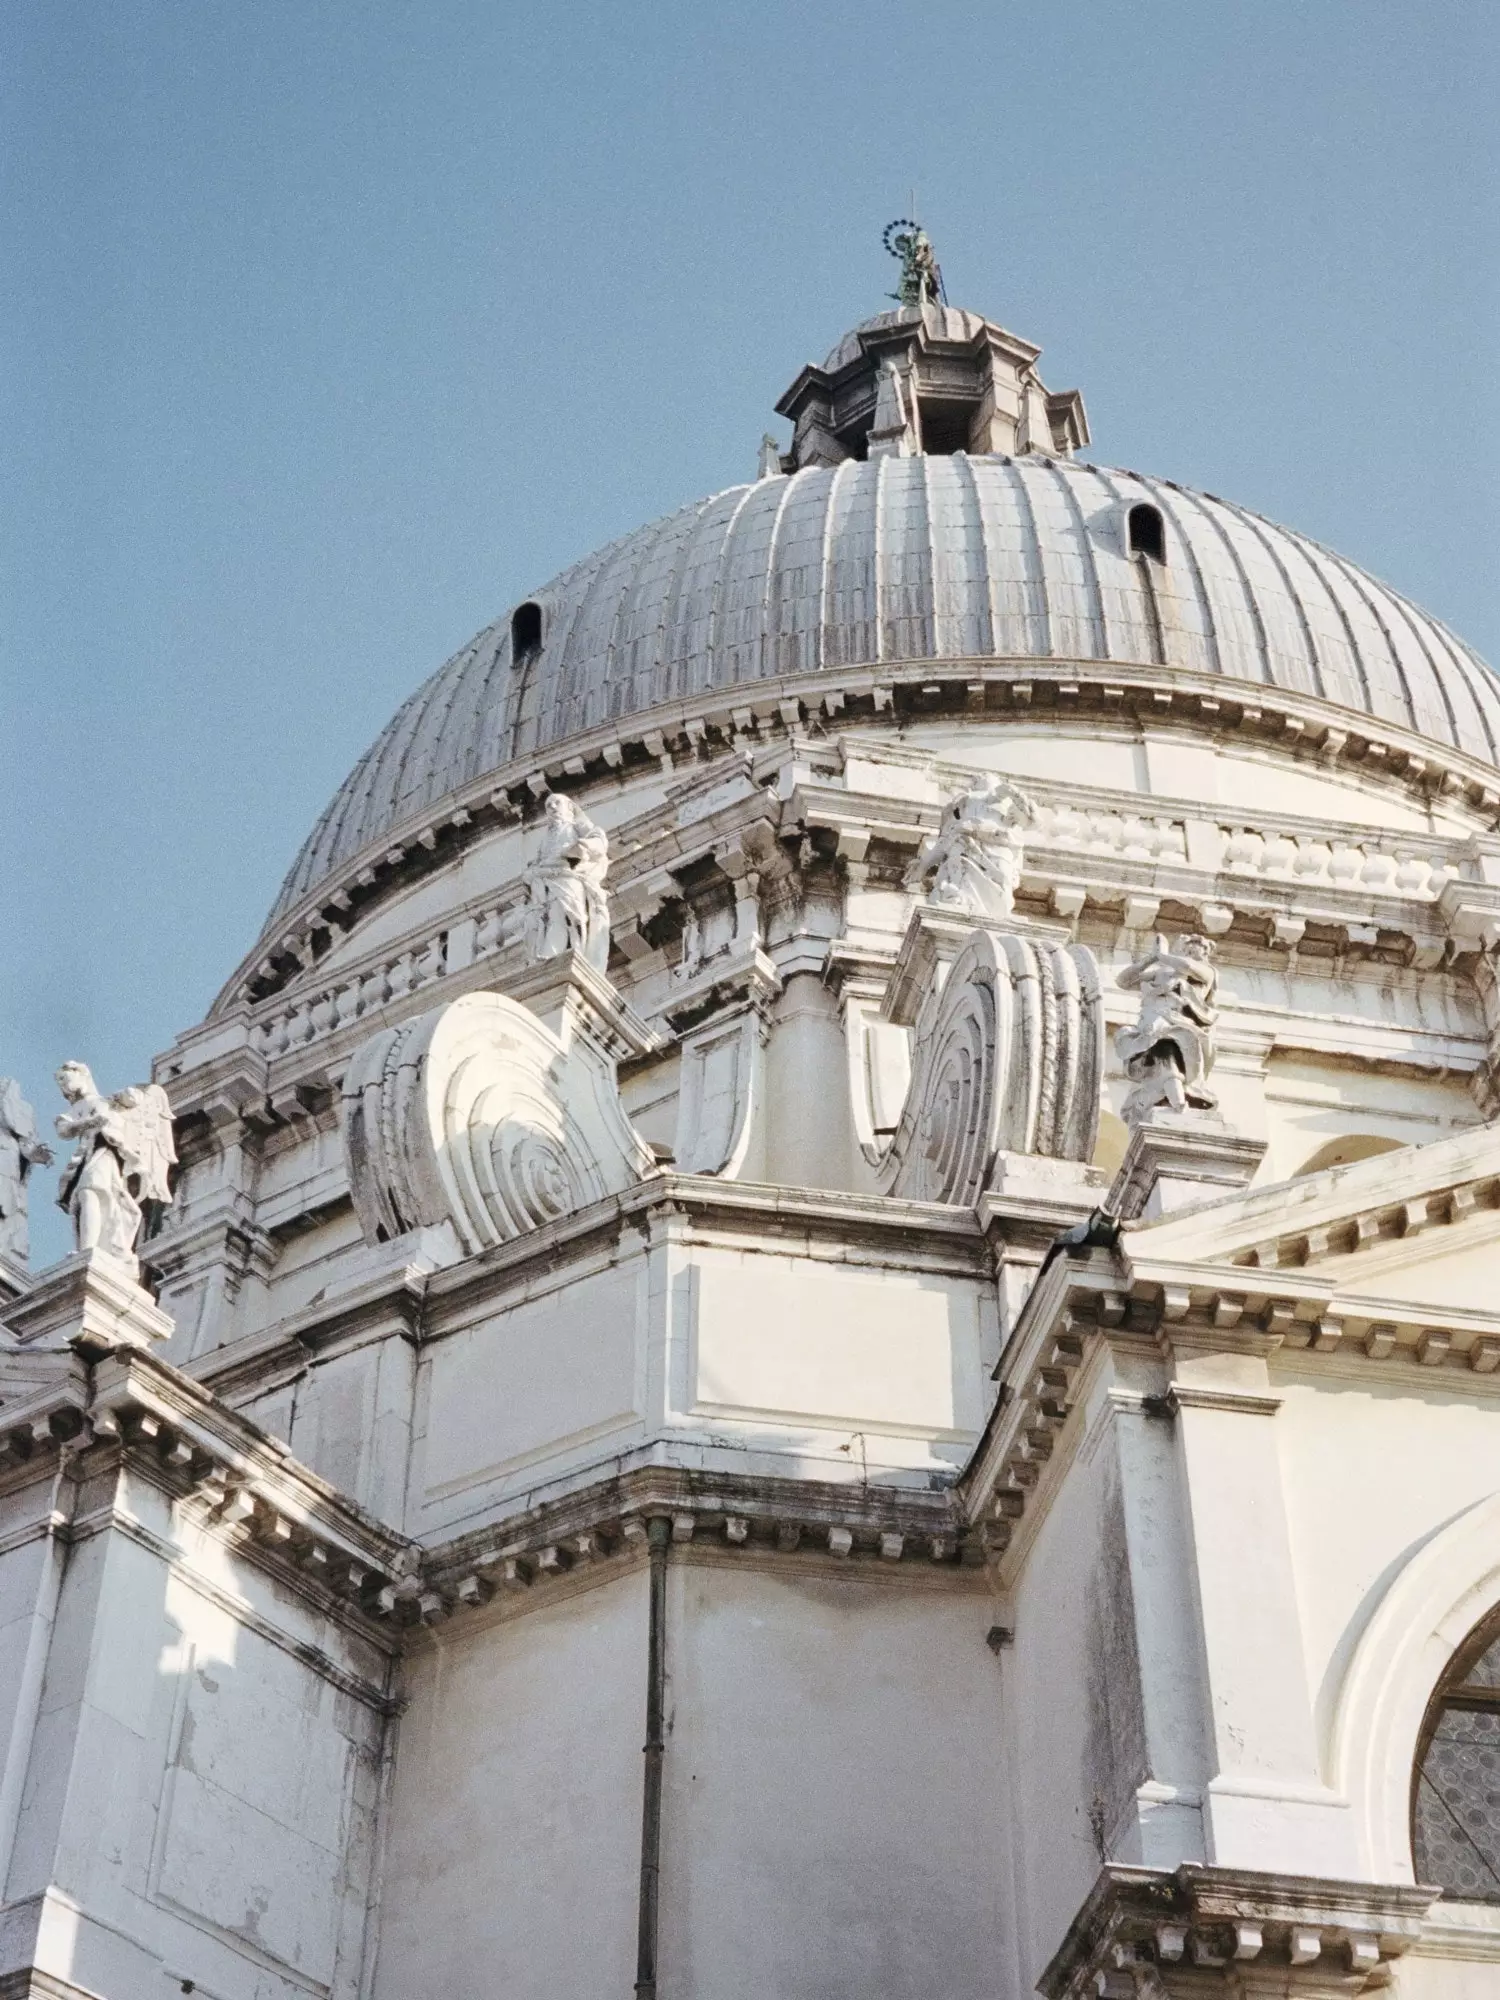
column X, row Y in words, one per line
column 911, row 558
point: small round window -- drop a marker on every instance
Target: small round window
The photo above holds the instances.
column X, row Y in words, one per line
column 1455, row 1808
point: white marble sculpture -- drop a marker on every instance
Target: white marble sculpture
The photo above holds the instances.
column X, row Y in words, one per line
column 973, row 861
column 477, row 1115
column 1008, row 1059
column 1169, row 1050
column 124, row 1150
column 567, row 908
column 20, row 1151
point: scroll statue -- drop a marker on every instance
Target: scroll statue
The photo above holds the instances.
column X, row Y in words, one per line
column 1170, row 1050
column 566, row 907
column 120, row 1165
column 974, row 859
column 20, row 1151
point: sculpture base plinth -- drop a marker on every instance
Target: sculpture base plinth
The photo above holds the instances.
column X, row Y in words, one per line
column 92, row 1303
column 1180, row 1159
column 580, row 1006
column 1055, row 1191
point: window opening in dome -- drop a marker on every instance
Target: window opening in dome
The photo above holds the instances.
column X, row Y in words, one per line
column 1455, row 1807
column 945, row 428
column 525, row 631
column 1146, row 533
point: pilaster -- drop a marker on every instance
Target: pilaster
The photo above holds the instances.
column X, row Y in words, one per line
column 1266, row 1801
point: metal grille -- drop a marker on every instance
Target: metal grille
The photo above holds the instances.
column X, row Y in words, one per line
column 1456, row 1811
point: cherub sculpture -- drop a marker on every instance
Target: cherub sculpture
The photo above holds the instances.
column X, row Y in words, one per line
column 567, row 908
column 973, row 861
column 1170, row 1050
column 120, row 1166
column 20, row 1151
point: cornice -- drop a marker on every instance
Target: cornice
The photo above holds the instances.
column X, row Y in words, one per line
column 912, row 690
column 1238, row 1932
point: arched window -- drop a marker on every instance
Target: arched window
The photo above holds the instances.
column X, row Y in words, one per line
column 1455, row 1807
column 1146, row 532
column 525, row 631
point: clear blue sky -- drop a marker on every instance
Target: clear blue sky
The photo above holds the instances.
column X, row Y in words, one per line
column 332, row 329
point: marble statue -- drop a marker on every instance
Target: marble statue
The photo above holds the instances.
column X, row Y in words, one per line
column 921, row 277
column 973, row 861
column 567, row 908
column 20, row 1151
column 123, row 1153
column 1169, row 1050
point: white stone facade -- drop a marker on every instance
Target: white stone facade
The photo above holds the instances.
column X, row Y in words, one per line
column 1042, row 1539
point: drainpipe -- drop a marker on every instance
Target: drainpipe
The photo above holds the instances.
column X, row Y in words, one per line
column 658, row 1540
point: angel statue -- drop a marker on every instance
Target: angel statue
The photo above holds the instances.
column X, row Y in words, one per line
column 567, row 908
column 120, row 1165
column 20, row 1151
column 1170, row 1049
column 974, row 859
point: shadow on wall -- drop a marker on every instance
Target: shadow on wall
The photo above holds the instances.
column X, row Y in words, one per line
column 1344, row 1151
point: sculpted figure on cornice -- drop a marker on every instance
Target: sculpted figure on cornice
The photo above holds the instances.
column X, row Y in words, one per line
column 1170, row 1049
column 973, row 861
column 567, row 908
column 120, row 1164
column 20, row 1151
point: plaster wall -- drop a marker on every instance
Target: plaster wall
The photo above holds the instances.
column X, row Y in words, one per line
column 1176, row 766
column 514, row 1827
column 1428, row 1974
column 1073, row 1719
column 835, row 1367
column 1371, row 1471
column 201, row 1791
column 836, row 1792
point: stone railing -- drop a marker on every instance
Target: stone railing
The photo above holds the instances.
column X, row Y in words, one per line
column 1134, row 836
column 360, row 993
column 1393, row 868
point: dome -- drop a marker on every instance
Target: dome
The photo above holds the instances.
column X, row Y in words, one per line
column 897, row 559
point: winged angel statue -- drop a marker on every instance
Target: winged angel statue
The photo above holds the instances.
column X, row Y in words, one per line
column 123, row 1153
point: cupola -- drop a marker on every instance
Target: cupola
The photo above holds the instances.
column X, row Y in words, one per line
column 927, row 380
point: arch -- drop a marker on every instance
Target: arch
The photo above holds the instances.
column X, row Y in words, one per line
column 1346, row 1149
column 1447, row 1587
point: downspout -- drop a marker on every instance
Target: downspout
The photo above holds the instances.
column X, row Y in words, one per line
column 658, row 1541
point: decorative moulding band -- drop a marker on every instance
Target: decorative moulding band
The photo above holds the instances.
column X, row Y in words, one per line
column 1302, row 725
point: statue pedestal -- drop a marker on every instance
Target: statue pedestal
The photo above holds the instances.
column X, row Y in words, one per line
column 91, row 1303
column 1180, row 1159
column 581, row 1007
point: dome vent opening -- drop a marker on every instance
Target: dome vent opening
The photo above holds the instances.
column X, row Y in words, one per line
column 1146, row 532
column 525, row 631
